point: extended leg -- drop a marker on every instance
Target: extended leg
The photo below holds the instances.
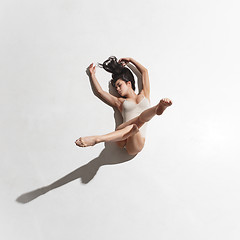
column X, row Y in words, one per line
column 148, row 114
column 117, row 135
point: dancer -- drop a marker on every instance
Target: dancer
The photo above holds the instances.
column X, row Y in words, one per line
column 135, row 108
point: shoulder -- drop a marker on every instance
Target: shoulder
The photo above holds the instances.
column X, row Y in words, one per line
column 121, row 99
column 120, row 102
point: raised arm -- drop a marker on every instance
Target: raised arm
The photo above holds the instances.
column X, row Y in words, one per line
column 107, row 97
column 143, row 71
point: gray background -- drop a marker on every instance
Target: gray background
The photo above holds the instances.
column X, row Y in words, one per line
column 184, row 184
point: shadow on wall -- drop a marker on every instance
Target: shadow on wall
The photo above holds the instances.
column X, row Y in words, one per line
column 110, row 155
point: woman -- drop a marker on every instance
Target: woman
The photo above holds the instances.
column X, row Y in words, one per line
column 135, row 109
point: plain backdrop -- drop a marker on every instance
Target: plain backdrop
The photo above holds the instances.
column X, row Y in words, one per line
column 184, row 185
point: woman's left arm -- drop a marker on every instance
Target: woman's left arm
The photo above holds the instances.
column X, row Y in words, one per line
column 146, row 83
column 144, row 72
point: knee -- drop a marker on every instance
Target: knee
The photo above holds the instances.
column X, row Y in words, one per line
column 119, row 127
column 130, row 130
column 135, row 127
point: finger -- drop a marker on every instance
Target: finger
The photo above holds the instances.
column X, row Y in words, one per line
column 124, row 63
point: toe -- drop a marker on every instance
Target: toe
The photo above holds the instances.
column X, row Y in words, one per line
column 83, row 143
column 80, row 143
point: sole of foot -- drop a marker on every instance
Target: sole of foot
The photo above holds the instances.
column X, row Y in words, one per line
column 85, row 141
column 163, row 104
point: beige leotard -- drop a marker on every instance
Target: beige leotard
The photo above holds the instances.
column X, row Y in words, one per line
column 131, row 110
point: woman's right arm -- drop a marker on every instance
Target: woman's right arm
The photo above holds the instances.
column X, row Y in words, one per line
column 92, row 70
column 109, row 98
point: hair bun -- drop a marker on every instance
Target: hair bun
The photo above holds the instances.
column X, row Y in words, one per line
column 111, row 65
column 118, row 71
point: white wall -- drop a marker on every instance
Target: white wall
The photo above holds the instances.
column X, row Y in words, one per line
column 184, row 185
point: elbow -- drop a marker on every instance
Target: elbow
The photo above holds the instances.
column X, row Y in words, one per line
column 144, row 70
column 99, row 91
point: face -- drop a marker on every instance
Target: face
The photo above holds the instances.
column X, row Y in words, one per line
column 122, row 87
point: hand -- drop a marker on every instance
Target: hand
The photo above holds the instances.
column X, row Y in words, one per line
column 124, row 61
column 92, row 69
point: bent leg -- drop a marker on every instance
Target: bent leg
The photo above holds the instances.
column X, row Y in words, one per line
column 135, row 144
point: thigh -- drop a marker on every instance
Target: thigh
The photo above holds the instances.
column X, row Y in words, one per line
column 135, row 143
column 122, row 143
column 132, row 121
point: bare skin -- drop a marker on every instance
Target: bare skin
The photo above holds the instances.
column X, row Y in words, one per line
column 123, row 132
column 118, row 135
column 127, row 134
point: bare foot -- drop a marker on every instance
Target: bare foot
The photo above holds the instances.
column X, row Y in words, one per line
column 86, row 141
column 163, row 104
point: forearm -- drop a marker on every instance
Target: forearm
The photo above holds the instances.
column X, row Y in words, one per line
column 96, row 84
column 139, row 66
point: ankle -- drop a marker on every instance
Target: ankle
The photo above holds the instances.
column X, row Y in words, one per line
column 98, row 139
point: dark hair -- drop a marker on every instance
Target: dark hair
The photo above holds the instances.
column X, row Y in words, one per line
column 118, row 71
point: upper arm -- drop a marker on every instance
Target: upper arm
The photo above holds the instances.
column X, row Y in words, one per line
column 110, row 99
column 146, row 84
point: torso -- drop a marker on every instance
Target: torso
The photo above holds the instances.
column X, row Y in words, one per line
column 138, row 99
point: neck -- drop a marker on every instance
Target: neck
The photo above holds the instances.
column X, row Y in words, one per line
column 131, row 94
